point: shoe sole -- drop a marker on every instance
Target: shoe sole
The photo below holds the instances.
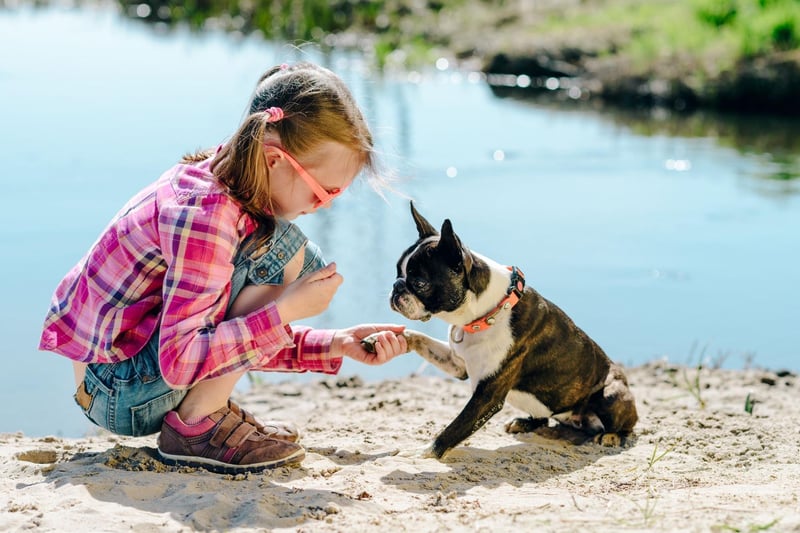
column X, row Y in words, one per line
column 218, row 467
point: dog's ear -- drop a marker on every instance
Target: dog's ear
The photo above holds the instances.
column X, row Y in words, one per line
column 424, row 228
column 456, row 254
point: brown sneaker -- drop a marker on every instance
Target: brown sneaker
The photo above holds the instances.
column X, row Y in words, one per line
column 271, row 428
column 223, row 443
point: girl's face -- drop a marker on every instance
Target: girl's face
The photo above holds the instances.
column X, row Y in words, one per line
column 300, row 186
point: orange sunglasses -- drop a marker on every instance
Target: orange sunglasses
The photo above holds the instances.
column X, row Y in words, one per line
column 323, row 196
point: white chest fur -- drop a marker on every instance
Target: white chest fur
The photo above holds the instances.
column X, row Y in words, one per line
column 485, row 352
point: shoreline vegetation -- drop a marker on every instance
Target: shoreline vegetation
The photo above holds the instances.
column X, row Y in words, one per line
column 724, row 55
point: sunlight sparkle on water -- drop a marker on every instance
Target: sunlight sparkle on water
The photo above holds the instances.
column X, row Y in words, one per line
column 143, row 11
column 476, row 77
column 414, row 77
column 678, row 165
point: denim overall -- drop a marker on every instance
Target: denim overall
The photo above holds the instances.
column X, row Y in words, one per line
column 131, row 397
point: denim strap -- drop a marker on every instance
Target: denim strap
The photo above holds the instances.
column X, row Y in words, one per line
column 266, row 265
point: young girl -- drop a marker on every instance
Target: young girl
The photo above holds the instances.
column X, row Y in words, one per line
column 196, row 280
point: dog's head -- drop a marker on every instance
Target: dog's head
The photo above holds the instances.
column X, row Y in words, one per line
column 436, row 274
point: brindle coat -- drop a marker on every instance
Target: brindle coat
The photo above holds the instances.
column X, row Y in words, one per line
column 534, row 356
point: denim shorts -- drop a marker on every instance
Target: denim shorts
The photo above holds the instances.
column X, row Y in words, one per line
column 131, row 397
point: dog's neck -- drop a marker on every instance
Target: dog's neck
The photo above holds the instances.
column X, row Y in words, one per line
column 479, row 304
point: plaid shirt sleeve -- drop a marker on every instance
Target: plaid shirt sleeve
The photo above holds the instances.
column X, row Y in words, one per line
column 199, row 238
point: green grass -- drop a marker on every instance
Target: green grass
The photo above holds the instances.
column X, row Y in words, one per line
column 752, row 528
column 691, row 40
column 691, row 384
column 715, row 34
column 656, row 456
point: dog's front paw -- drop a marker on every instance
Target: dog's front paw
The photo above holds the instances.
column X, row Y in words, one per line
column 421, row 452
column 417, row 342
column 369, row 342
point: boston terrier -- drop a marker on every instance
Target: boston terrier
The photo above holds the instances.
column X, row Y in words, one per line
column 512, row 343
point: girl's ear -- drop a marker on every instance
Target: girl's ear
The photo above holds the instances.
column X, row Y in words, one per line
column 272, row 156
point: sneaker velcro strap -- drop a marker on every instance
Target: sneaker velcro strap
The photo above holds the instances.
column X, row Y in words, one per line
column 239, row 435
column 270, row 428
column 226, row 427
column 247, row 416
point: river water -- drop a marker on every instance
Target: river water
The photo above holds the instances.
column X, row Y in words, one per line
column 661, row 236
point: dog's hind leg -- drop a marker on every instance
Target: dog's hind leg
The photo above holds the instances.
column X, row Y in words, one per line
column 525, row 425
column 616, row 407
column 436, row 352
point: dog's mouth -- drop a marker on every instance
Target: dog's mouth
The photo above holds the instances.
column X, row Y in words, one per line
column 409, row 307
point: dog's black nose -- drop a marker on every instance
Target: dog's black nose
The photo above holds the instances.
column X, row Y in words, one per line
column 399, row 285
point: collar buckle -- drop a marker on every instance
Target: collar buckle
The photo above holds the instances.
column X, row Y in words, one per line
column 516, row 287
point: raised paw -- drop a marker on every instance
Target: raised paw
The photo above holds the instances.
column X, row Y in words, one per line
column 369, row 342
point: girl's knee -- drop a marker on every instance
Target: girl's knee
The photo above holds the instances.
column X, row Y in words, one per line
column 254, row 297
column 294, row 266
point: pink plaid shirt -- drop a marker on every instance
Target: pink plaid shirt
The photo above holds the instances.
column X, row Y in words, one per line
column 165, row 263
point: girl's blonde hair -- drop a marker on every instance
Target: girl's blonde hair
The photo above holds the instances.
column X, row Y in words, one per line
column 317, row 107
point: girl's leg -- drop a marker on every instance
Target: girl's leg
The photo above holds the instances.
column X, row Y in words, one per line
column 210, row 395
column 79, row 371
column 253, row 297
column 223, row 438
column 128, row 397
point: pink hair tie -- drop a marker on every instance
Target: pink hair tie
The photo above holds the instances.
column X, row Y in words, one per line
column 284, row 66
column 275, row 114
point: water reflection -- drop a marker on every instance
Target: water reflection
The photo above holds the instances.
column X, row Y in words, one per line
column 776, row 139
column 649, row 234
column 313, row 20
column 320, row 22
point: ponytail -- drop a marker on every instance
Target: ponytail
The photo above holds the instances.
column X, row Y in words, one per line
column 241, row 167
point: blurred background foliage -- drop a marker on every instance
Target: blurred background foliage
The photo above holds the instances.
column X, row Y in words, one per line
column 683, row 54
column 743, row 28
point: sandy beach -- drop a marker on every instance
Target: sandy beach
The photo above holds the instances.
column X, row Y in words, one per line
column 715, row 450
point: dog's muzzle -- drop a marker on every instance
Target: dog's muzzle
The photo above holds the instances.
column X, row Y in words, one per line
column 399, row 291
column 405, row 303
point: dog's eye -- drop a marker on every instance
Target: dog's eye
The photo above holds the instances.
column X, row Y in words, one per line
column 418, row 284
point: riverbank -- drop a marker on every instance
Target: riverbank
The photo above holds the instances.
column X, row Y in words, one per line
column 732, row 55
column 715, row 450
column 741, row 55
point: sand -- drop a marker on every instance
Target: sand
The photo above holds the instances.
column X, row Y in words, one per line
column 699, row 461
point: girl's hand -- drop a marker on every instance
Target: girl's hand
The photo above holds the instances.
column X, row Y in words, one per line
column 310, row 295
column 389, row 343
